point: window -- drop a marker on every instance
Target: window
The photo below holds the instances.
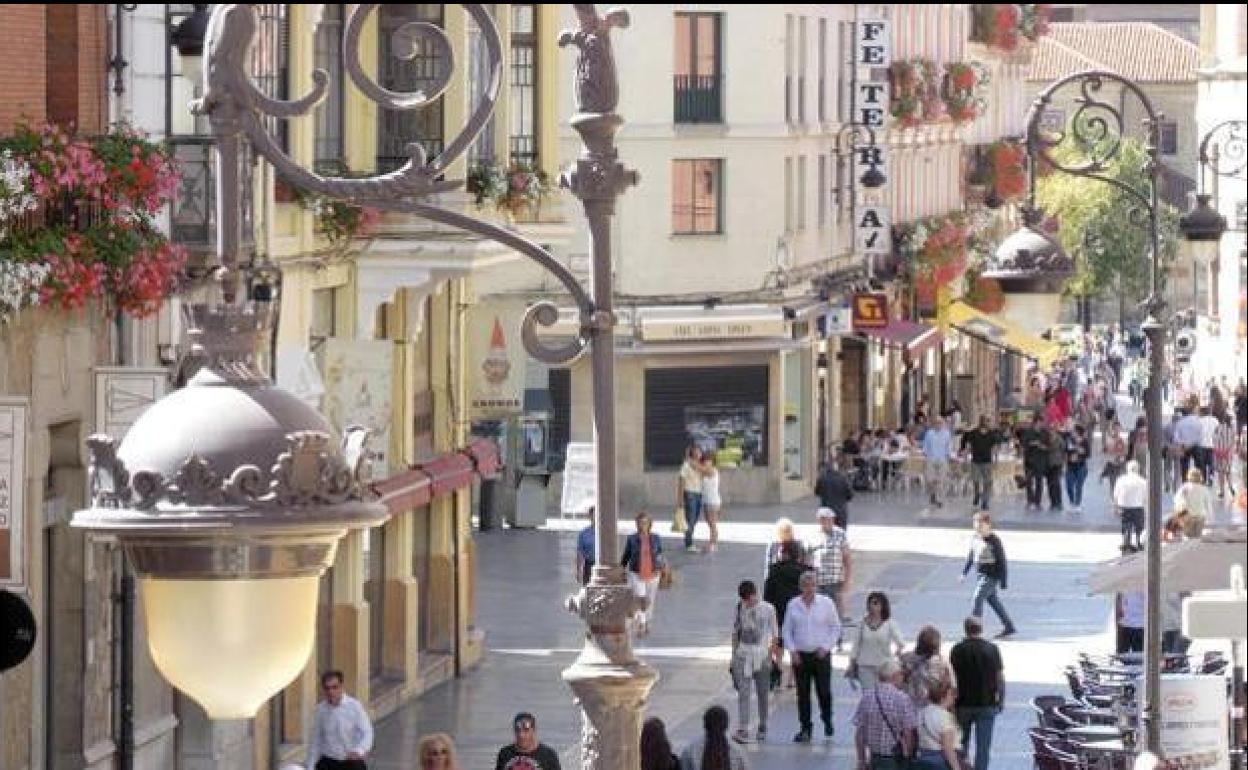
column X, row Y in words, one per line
column 823, row 71
column 845, row 73
column 801, row 193
column 523, row 83
column 697, row 196
column 838, row 189
column 559, row 382
column 329, row 115
column 396, row 129
column 482, row 148
column 820, row 200
column 801, row 70
column 788, row 68
column 697, row 92
column 1168, row 137
column 788, row 195
column 270, row 63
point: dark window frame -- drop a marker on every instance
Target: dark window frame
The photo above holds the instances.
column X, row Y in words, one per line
column 395, row 130
column 1168, row 137
column 329, row 146
column 742, row 386
column 525, row 89
column 699, row 98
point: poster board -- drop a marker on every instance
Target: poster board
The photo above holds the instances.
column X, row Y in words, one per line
column 14, row 414
column 580, row 480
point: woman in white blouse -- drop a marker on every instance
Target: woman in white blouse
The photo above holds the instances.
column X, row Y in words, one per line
column 939, row 735
column 879, row 639
column 754, row 633
column 1195, row 498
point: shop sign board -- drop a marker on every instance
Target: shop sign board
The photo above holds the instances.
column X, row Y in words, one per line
column 1194, row 721
column 870, row 310
column 580, row 479
column 872, row 230
column 498, row 362
column 728, row 328
column 359, row 383
column 838, row 320
column 873, row 42
column 13, row 452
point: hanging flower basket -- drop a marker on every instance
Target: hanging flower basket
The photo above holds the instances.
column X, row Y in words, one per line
column 939, row 248
column 516, row 189
column 338, row 221
column 77, row 221
column 1007, row 164
column 1005, row 27
column 914, row 92
column 964, row 89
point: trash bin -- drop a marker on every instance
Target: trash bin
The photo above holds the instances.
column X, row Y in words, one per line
column 487, row 516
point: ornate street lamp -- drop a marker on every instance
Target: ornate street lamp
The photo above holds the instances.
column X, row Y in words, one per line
column 861, row 138
column 1222, row 154
column 1096, row 133
column 228, row 496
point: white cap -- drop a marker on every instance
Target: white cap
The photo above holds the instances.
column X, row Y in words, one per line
column 825, row 513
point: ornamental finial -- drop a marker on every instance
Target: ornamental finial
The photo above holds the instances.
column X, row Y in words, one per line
column 597, row 88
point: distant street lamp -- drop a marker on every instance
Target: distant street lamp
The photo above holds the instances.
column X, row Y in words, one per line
column 1222, row 154
column 227, row 495
column 1095, row 135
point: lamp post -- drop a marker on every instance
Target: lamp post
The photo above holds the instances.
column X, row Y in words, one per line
column 1222, row 154
column 1096, row 133
column 227, row 495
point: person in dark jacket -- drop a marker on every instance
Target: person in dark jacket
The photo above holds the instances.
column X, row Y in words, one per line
column 1055, row 447
column 987, row 555
column 1035, row 460
column 981, row 443
column 834, row 491
column 784, row 581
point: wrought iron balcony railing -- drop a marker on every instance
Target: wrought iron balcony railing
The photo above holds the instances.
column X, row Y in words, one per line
column 698, row 99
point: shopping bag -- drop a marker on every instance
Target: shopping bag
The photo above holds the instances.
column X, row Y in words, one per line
column 679, row 522
column 667, row 577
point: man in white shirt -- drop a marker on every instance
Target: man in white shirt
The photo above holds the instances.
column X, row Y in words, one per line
column 1188, row 433
column 1208, row 440
column 1130, row 497
column 341, row 734
column 811, row 628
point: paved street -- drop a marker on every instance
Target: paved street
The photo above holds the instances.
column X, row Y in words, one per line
column 914, row 555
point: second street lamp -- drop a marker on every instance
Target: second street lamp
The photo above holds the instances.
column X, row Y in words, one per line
column 1092, row 140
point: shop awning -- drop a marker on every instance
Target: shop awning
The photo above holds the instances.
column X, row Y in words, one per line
column 484, row 455
column 914, row 338
column 449, row 472
column 997, row 331
column 405, row 490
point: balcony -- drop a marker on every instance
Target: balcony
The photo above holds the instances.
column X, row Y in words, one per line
column 698, row 99
column 192, row 218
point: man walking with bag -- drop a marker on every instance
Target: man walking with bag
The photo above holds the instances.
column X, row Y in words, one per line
column 811, row 627
column 886, row 722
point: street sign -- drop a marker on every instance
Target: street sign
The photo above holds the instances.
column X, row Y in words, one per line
column 872, row 230
column 17, row 630
column 837, row 321
column 870, row 310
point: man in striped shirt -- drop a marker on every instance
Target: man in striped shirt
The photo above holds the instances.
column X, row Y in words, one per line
column 829, row 555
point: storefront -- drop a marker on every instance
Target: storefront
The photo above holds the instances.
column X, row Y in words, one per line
column 993, row 353
column 738, row 381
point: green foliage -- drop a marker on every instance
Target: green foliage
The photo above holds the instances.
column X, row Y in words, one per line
column 1104, row 227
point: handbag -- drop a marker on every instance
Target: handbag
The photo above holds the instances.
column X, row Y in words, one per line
column 667, row 577
column 900, row 757
column 679, row 522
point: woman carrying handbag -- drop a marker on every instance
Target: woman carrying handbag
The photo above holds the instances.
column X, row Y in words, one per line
column 754, row 631
column 643, row 558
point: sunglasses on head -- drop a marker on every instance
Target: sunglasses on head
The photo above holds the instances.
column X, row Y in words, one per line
column 431, row 753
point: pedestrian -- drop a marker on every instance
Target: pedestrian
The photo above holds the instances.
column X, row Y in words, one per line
column 924, row 668
column 437, row 752
column 1056, row 448
column 643, row 558
column 1223, row 455
column 755, row 632
column 938, row 735
column 689, row 492
column 834, row 491
column 712, row 501
column 981, row 688
column 1188, row 433
column 987, row 556
column 1035, row 460
column 784, row 582
column 1131, row 609
column 981, row 443
column 829, row 555
column 526, row 752
column 1115, row 448
column 885, row 722
column 879, row 639
column 775, row 549
column 1170, row 454
column 937, row 446
column 1137, row 444
column 1130, row 494
column 342, row 734
column 712, row 751
column 585, row 543
column 1078, row 449
column 656, row 748
column 811, row 627
column 1208, row 443
column 1195, row 500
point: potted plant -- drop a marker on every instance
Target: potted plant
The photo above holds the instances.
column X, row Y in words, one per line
column 518, row 188
column 914, row 92
column 1007, row 164
column 963, row 91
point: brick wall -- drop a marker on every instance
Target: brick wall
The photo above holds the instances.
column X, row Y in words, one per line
column 23, row 55
column 93, row 50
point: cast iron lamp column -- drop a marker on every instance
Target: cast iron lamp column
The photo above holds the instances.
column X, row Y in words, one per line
column 1096, row 131
column 243, row 525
